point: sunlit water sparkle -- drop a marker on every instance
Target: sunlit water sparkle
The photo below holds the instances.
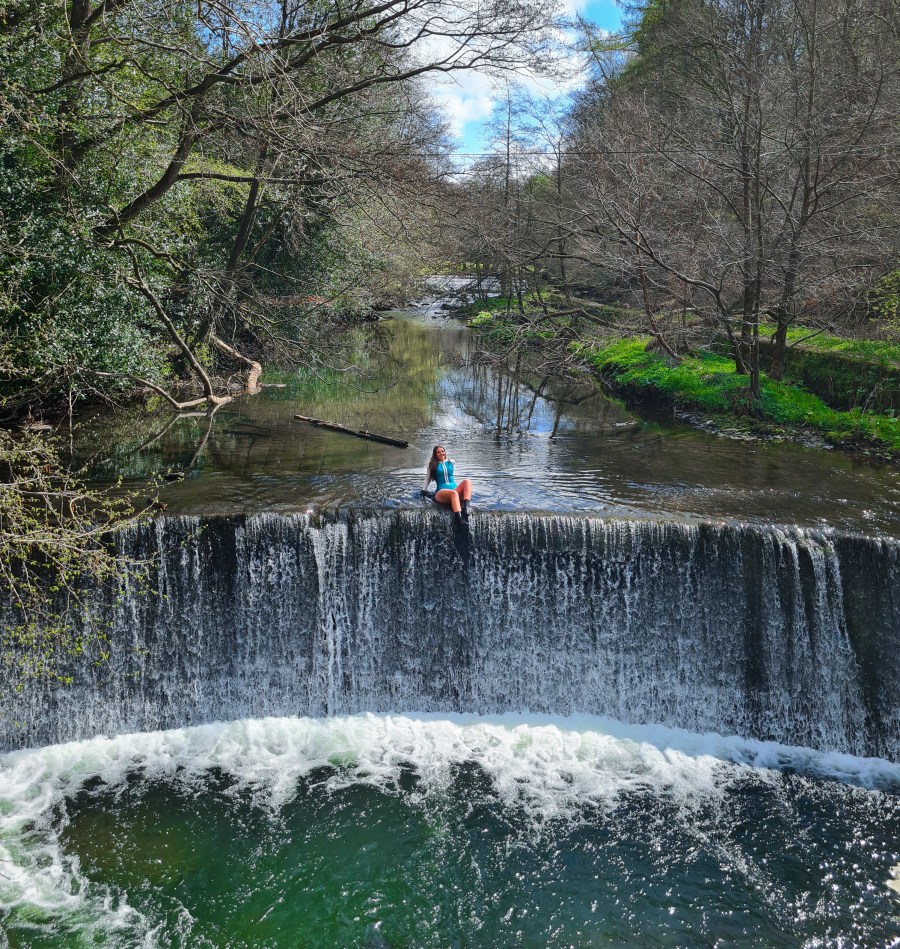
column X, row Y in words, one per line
column 445, row 831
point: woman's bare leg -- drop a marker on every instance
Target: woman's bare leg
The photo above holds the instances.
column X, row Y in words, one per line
column 448, row 496
column 464, row 493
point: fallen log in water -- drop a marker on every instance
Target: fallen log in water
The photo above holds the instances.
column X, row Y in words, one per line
column 335, row 427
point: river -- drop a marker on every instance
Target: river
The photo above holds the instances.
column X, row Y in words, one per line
column 529, row 443
column 651, row 699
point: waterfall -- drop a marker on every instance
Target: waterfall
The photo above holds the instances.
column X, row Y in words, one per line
column 776, row 633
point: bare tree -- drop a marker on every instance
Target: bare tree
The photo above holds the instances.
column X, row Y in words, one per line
column 744, row 154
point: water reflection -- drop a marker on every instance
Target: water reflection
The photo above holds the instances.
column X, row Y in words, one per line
column 531, row 442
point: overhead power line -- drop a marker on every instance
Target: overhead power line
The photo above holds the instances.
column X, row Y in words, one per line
column 580, row 153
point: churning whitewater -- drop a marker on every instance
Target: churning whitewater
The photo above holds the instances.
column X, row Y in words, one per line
column 547, row 771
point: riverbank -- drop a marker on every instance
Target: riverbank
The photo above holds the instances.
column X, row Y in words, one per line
column 707, row 387
column 708, row 384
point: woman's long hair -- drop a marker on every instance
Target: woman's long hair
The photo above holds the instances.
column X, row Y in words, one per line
column 433, row 463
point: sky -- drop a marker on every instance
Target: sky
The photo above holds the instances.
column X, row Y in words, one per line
column 469, row 99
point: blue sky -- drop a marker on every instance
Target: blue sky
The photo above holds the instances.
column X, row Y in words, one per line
column 471, row 98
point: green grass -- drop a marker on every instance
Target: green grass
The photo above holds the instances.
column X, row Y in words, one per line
column 846, row 373
column 510, row 304
column 492, row 305
column 872, row 350
column 499, row 329
column 709, row 383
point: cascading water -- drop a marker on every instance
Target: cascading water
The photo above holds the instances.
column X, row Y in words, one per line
column 538, row 787
column 784, row 634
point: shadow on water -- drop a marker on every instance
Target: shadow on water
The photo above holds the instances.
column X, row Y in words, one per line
column 530, row 442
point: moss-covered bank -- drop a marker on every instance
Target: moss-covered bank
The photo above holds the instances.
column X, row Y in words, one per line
column 707, row 384
column 845, row 373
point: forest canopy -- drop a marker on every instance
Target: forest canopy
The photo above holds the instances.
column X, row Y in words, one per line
column 731, row 161
column 189, row 188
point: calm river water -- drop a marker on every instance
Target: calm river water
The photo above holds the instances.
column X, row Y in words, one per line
column 529, row 443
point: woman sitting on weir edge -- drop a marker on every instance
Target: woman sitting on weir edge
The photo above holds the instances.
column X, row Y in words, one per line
column 440, row 470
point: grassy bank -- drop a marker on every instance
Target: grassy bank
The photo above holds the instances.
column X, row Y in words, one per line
column 537, row 307
column 846, row 373
column 708, row 385
column 877, row 351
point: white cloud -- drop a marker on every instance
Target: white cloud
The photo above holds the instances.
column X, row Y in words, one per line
column 570, row 8
column 469, row 98
column 465, row 97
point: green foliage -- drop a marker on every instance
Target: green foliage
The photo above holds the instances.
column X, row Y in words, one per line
column 873, row 350
column 644, row 37
column 885, row 300
column 709, row 383
column 54, row 539
column 532, row 303
column 91, row 220
column 66, row 311
column 490, row 306
column 494, row 327
column 67, row 314
column 483, row 320
column 501, row 329
column 541, row 184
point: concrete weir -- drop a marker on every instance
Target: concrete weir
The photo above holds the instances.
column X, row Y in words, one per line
column 768, row 632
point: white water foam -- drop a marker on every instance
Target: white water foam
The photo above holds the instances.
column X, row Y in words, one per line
column 894, row 879
column 549, row 766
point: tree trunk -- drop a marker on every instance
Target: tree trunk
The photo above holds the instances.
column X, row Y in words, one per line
column 74, row 64
column 779, row 348
column 560, row 239
column 254, row 369
column 755, row 383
